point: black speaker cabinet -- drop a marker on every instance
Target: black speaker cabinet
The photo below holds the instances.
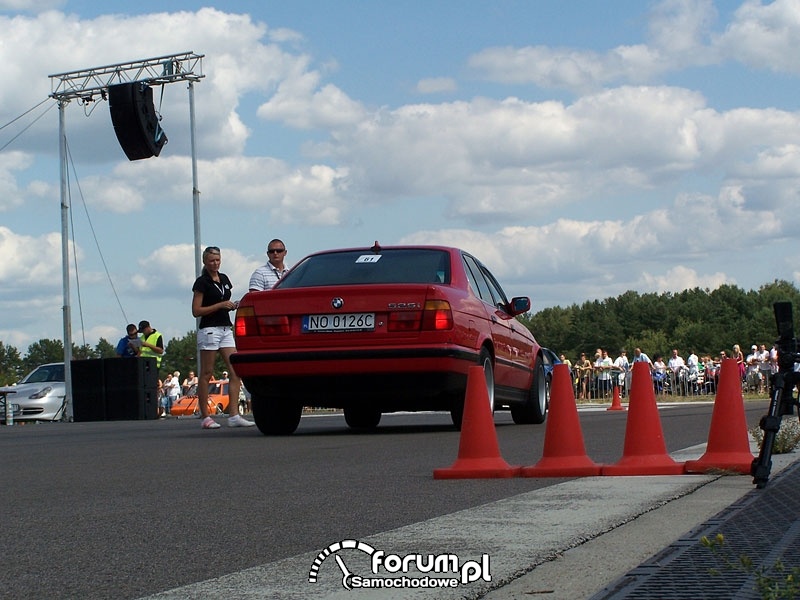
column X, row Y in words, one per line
column 88, row 390
column 135, row 121
column 131, row 389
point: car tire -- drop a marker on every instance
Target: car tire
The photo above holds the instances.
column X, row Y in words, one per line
column 362, row 417
column 275, row 416
column 534, row 409
column 457, row 405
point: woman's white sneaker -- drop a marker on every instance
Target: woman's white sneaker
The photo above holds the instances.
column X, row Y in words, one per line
column 239, row 421
column 209, row 423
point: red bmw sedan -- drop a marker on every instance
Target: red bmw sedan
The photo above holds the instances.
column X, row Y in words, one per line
column 378, row 330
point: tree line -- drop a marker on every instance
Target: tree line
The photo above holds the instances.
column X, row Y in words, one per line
column 698, row 320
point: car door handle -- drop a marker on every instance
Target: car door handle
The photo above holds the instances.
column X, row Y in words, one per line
column 494, row 319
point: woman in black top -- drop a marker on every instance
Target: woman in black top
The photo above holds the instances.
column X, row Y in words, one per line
column 212, row 303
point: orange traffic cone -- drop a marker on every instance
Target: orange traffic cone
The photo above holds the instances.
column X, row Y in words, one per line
column 478, row 451
column 616, row 404
column 645, row 452
column 728, row 445
column 564, row 452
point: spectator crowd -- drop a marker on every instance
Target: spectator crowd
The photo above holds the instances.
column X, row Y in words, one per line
column 695, row 375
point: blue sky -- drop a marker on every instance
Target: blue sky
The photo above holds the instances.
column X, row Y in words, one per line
column 580, row 149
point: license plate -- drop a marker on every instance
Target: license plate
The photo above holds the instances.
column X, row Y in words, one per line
column 339, row 322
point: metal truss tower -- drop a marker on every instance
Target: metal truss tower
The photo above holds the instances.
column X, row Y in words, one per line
column 85, row 85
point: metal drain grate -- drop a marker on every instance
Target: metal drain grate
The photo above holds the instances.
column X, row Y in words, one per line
column 764, row 525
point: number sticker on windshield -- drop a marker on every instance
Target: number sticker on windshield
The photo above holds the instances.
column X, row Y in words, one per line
column 368, row 258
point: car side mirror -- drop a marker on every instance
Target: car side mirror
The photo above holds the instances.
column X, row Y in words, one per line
column 520, row 304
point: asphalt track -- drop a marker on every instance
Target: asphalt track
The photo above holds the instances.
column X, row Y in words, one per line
column 89, row 516
column 563, row 542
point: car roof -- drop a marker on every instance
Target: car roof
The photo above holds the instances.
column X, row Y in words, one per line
column 382, row 248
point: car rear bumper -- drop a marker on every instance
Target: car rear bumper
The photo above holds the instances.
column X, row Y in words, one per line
column 407, row 379
column 278, row 363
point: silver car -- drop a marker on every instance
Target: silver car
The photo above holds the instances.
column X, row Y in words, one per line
column 40, row 394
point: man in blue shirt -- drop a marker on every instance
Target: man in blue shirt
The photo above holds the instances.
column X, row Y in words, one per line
column 130, row 346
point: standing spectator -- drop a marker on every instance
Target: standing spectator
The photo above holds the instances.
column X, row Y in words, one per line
column 603, row 366
column 740, row 361
column 189, row 386
column 676, row 362
column 693, row 368
column 773, row 358
column 266, row 276
column 659, row 374
column 167, row 400
column 211, row 302
column 174, row 391
column 160, row 397
column 623, row 368
column 764, row 367
column 152, row 343
column 710, row 369
column 639, row 356
column 584, row 368
column 677, row 372
column 130, row 346
column 752, row 370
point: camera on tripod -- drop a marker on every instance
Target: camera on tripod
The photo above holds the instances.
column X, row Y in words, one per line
column 782, row 386
column 787, row 353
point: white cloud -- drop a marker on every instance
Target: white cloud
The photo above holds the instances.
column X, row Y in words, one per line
column 681, row 35
column 764, row 36
column 682, row 278
column 436, row 85
column 29, row 262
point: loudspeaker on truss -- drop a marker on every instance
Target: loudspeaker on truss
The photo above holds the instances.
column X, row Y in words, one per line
column 135, row 120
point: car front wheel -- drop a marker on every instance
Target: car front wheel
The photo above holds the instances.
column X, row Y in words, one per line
column 275, row 416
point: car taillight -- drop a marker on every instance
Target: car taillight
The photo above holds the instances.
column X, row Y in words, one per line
column 273, row 325
column 437, row 315
column 406, row 320
column 247, row 323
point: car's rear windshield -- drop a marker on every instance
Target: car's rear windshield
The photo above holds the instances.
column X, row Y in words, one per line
column 406, row 265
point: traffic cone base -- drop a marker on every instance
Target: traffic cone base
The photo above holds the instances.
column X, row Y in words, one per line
column 574, row 466
column 720, row 462
column 728, row 447
column 478, row 450
column 564, row 454
column 644, row 465
column 645, row 452
column 477, row 468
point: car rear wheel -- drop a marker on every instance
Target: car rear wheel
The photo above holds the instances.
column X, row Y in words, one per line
column 457, row 410
column 362, row 417
column 534, row 409
column 275, row 416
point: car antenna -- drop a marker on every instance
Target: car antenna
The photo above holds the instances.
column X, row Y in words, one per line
column 376, row 248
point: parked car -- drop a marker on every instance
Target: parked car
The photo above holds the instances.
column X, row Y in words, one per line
column 217, row 400
column 40, row 394
column 376, row 330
